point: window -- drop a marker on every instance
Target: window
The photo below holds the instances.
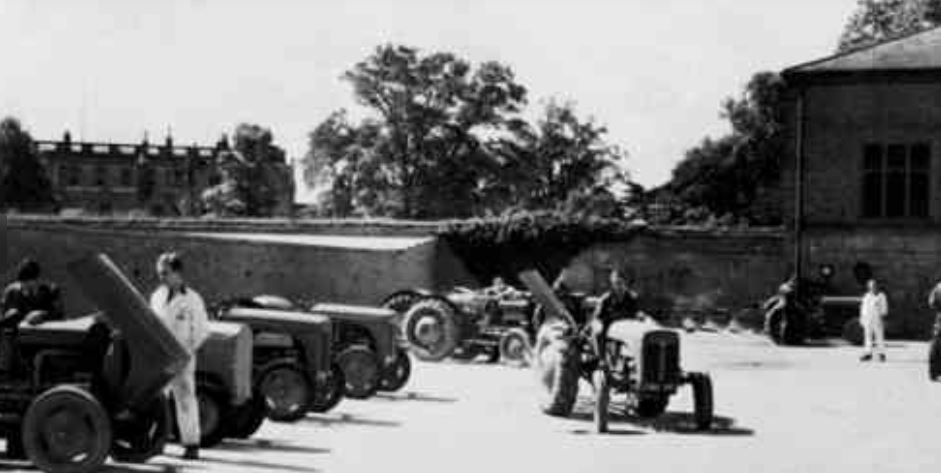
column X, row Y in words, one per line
column 127, row 177
column 895, row 181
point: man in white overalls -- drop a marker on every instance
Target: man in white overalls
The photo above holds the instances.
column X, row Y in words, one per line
column 872, row 310
column 183, row 311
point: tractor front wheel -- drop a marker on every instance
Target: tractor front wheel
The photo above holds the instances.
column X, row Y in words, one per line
column 515, row 348
column 361, row 372
column 397, row 374
column 286, row 391
column 330, row 394
column 557, row 365
column 66, row 429
column 599, row 380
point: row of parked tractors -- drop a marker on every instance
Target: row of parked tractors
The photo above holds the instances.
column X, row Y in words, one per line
column 93, row 387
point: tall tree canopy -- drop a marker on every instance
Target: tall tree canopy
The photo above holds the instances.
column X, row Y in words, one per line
column 733, row 176
column 23, row 180
column 877, row 20
column 254, row 175
column 445, row 139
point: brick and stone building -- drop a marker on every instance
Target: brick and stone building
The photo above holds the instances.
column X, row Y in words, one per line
column 155, row 179
column 862, row 173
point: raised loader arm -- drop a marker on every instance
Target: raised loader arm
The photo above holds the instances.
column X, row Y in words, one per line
column 545, row 296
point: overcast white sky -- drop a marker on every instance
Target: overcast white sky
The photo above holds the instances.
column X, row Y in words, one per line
column 653, row 71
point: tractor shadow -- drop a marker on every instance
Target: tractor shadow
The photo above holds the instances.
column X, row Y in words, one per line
column 413, row 396
column 669, row 422
column 340, row 418
column 230, row 445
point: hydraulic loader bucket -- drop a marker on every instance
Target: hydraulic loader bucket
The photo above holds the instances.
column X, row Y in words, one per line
column 545, row 296
column 155, row 354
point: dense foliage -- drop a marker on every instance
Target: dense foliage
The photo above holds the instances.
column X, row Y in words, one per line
column 444, row 139
column 23, row 181
column 252, row 173
column 545, row 241
column 731, row 180
column 878, row 20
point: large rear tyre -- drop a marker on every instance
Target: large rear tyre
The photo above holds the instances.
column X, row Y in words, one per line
column 66, row 430
column 361, row 372
column 702, row 400
column 247, row 418
column 286, row 390
column 397, row 374
column 327, row 396
column 431, row 329
column 853, row 332
column 556, row 364
column 515, row 348
column 934, row 359
column 142, row 435
column 214, row 413
column 401, row 302
column 599, row 380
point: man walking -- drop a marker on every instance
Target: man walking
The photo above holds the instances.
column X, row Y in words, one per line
column 183, row 311
column 872, row 310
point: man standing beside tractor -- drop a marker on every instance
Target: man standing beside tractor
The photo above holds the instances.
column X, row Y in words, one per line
column 184, row 312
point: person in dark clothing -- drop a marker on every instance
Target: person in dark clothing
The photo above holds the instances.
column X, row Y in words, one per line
column 30, row 299
column 620, row 302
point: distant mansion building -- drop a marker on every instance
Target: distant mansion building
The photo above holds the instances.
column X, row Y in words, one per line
column 162, row 180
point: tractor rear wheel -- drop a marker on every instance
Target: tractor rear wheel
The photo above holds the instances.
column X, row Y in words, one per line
column 853, row 332
column 214, row 413
column 934, row 359
column 247, row 418
column 432, row 330
column 144, row 434
column 361, row 371
column 556, row 364
column 702, row 400
column 66, row 429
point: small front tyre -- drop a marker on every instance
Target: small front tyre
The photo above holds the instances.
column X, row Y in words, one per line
column 599, row 380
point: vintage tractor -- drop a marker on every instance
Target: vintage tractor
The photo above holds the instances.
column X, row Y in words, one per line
column 80, row 390
column 638, row 358
column 292, row 372
column 465, row 323
column 365, row 341
column 227, row 404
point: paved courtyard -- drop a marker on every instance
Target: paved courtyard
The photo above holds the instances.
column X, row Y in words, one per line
column 780, row 410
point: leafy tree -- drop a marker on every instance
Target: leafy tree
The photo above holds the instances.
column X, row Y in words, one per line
column 254, row 175
column 445, row 139
column 729, row 178
column 878, row 20
column 23, row 180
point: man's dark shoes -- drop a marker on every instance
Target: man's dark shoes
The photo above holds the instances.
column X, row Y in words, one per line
column 865, row 358
column 191, row 453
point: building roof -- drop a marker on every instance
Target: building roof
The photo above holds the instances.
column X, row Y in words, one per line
column 913, row 52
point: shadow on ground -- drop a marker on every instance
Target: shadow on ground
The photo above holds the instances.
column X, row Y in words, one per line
column 266, row 445
column 672, row 422
column 413, row 396
column 340, row 418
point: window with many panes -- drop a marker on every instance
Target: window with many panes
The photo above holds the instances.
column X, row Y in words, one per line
column 896, row 180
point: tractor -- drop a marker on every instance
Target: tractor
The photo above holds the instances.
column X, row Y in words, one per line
column 76, row 391
column 465, row 323
column 638, row 358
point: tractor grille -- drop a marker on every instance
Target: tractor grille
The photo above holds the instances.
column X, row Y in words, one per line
column 660, row 360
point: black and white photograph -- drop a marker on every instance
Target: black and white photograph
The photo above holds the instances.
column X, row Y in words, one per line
column 455, row 236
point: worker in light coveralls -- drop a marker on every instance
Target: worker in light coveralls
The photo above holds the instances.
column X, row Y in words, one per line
column 184, row 313
column 872, row 311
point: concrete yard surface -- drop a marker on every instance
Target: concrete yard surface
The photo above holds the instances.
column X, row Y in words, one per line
column 779, row 409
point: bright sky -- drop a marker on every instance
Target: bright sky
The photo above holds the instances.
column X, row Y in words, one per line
column 653, row 71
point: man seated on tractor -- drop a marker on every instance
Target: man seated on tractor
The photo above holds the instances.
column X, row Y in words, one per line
column 619, row 303
column 30, row 299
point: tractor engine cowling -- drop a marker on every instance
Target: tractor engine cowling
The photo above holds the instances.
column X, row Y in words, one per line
column 659, row 361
